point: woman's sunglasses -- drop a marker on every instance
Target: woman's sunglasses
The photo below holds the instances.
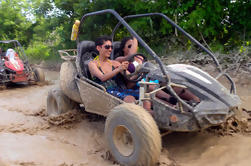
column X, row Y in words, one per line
column 108, row 47
column 129, row 46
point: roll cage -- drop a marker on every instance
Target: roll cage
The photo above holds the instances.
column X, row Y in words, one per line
column 150, row 51
column 18, row 48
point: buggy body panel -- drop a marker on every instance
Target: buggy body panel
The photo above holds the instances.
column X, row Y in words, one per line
column 96, row 100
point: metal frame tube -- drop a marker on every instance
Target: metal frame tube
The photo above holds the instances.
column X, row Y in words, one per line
column 218, row 66
column 122, row 21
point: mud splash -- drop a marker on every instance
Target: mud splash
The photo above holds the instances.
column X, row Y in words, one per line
column 239, row 123
column 73, row 116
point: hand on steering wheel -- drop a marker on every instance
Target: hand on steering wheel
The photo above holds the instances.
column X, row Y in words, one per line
column 137, row 75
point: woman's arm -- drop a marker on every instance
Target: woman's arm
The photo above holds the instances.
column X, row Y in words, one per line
column 121, row 59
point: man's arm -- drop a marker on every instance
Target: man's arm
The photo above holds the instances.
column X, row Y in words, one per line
column 94, row 70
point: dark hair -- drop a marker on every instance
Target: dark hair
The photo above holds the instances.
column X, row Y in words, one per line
column 123, row 43
column 100, row 40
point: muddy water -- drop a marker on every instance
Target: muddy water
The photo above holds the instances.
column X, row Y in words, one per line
column 28, row 138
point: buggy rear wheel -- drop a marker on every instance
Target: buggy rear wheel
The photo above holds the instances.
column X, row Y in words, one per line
column 133, row 136
column 39, row 75
column 68, row 84
column 58, row 103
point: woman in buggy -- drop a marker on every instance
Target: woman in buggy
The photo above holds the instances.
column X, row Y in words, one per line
column 128, row 47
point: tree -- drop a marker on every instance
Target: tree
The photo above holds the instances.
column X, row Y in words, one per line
column 14, row 23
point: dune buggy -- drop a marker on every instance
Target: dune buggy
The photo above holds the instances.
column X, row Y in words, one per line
column 14, row 65
column 131, row 133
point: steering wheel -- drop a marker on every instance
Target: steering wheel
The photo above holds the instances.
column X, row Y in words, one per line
column 139, row 73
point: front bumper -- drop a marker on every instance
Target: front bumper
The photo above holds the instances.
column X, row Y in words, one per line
column 205, row 114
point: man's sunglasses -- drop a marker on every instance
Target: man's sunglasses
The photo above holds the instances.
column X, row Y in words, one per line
column 108, row 47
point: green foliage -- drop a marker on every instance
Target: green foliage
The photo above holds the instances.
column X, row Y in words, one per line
column 38, row 51
column 13, row 23
column 44, row 26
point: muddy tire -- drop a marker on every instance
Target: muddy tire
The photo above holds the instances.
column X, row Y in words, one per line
column 58, row 103
column 39, row 75
column 132, row 136
column 68, row 84
column 2, row 85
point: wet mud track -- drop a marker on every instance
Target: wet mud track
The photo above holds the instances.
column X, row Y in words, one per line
column 29, row 138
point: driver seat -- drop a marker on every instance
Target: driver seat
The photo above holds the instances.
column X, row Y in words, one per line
column 87, row 52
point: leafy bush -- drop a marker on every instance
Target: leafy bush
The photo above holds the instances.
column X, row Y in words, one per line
column 38, row 51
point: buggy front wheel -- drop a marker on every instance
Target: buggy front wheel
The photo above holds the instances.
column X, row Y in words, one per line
column 132, row 136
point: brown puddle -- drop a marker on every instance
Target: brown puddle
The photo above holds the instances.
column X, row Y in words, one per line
column 29, row 138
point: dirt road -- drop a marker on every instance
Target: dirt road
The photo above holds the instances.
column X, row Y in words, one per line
column 28, row 138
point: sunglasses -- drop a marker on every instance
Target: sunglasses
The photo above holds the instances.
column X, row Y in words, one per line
column 129, row 46
column 108, row 47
